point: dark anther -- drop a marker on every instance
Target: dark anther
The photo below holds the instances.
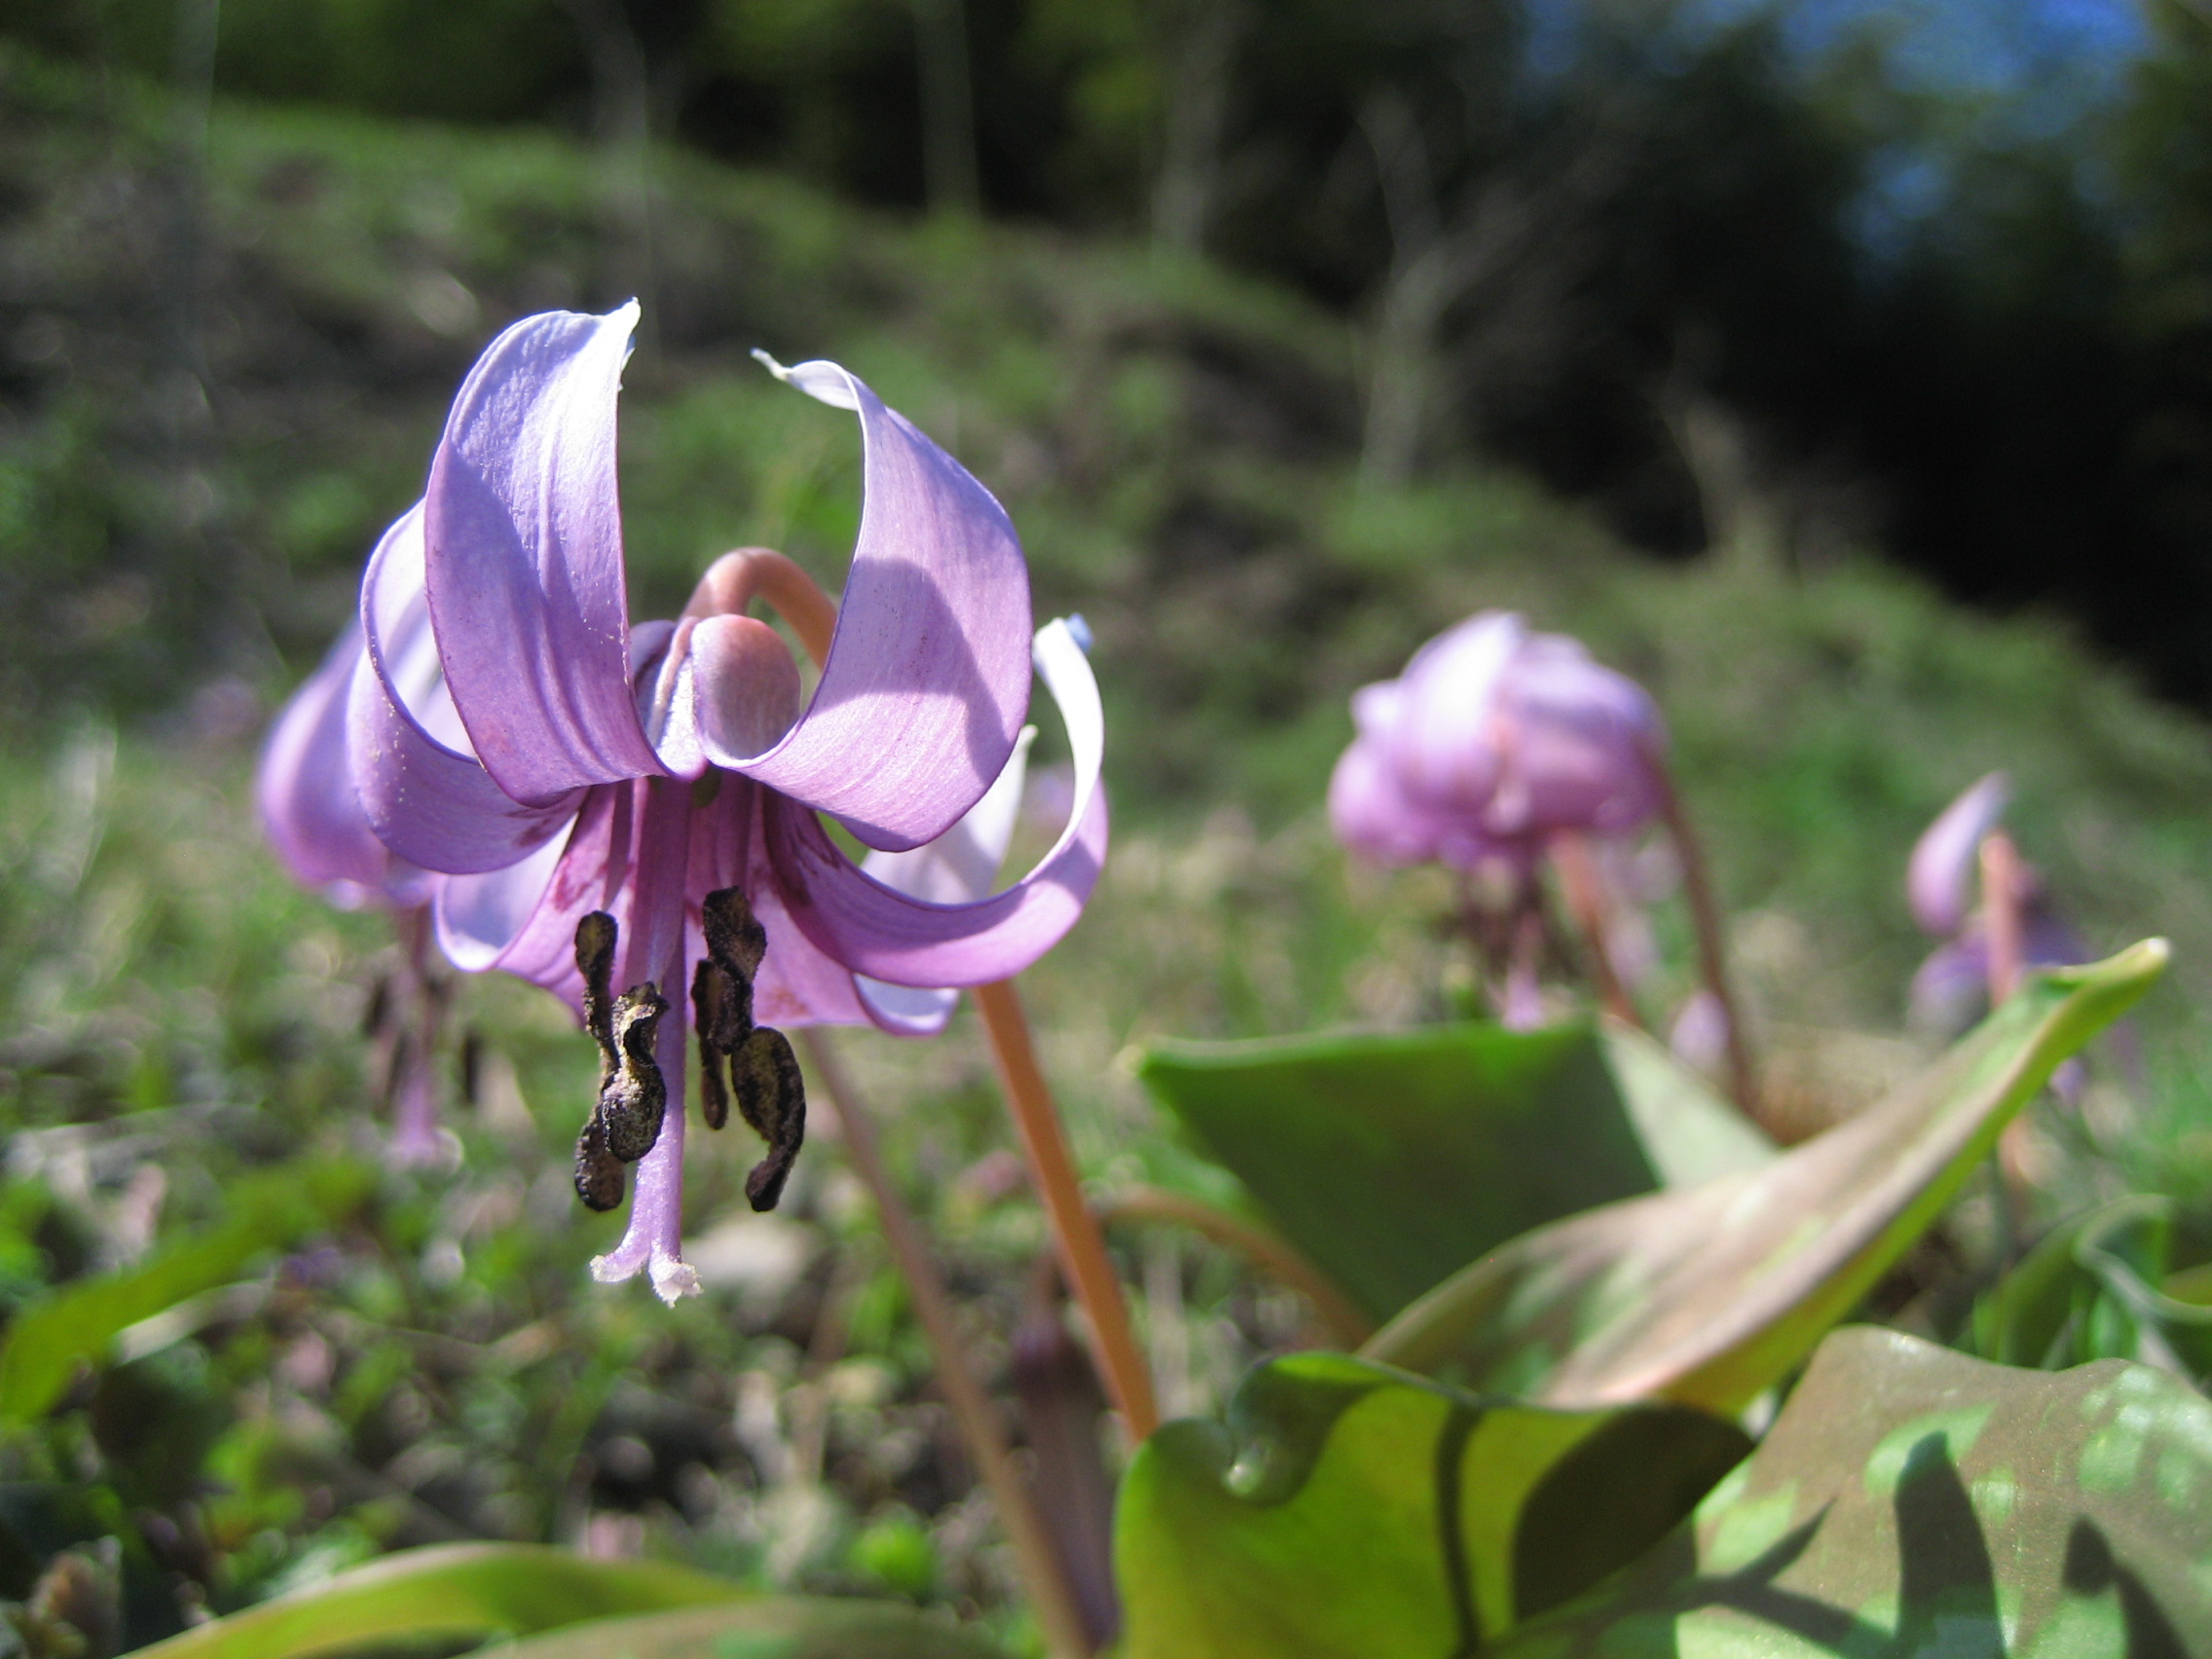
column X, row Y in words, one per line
column 634, row 1098
column 599, row 1172
column 378, row 1012
column 709, row 996
column 595, row 961
column 764, row 1074
column 736, row 943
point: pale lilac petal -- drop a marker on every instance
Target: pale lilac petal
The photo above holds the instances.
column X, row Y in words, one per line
column 525, row 573
column 926, row 681
column 522, row 920
column 958, row 867
column 883, row 934
column 1522, row 1008
column 305, row 790
column 424, row 796
column 1577, row 746
column 1440, row 745
column 1699, row 1036
column 1940, row 880
column 1373, row 816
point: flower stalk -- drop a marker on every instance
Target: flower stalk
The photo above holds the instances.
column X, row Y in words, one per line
column 976, row 1419
column 1080, row 1245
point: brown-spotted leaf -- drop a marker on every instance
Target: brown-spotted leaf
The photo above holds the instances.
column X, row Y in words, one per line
column 1710, row 1294
column 1910, row 1501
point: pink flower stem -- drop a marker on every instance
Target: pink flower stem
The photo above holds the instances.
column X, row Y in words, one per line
column 1585, row 896
column 976, row 1418
column 2002, row 888
column 1075, row 1232
column 1704, row 920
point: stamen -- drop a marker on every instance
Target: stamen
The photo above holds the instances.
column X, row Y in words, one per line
column 771, row 1092
column 737, row 943
column 710, row 996
column 599, row 1172
column 595, row 937
column 633, row 1098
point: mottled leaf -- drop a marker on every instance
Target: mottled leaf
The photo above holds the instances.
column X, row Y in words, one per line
column 1710, row 1294
column 1910, row 1501
column 265, row 1212
column 1690, row 1133
column 1392, row 1159
column 1347, row 1510
column 773, row 1627
column 448, row 1591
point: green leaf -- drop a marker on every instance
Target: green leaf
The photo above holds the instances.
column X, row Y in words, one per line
column 775, row 1627
column 448, row 1591
column 1391, row 1159
column 1912, row 1501
column 1349, row 1510
column 1710, row 1294
column 51, row 1337
column 1690, row 1133
column 2086, row 1292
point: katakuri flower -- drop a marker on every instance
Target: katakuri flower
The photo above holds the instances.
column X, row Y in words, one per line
column 614, row 806
column 1951, row 989
column 313, row 818
column 1494, row 740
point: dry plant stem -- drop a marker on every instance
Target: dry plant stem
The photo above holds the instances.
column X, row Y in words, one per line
column 1705, row 919
column 973, row 1413
column 1081, row 1248
column 1585, row 897
column 1346, row 1323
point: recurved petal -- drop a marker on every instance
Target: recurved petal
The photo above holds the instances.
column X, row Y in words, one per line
column 1373, row 816
column 958, row 867
column 523, row 523
column 879, row 931
column 523, row 918
column 926, row 681
column 424, row 794
column 305, row 791
column 1443, row 746
column 1940, row 881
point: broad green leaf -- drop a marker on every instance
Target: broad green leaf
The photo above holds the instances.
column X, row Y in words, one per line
column 448, row 1591
column 774, row 1626
column 267, row 1212
column 1710, row 1294
column 1347, row 1510
column 1690, row 1133
column 1910, row 1501
column 1392, row 1159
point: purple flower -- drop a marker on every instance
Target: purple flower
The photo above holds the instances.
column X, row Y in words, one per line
column 1951, row 989
column 1493, row 740
column 627, row 816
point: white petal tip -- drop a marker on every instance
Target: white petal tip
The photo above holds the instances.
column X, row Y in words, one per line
column 674, row 1280
column 824, row 382
column 607, row 1271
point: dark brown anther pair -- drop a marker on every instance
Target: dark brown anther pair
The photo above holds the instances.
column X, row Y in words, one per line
column 633, row 1096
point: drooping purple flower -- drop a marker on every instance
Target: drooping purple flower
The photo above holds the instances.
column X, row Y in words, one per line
column 1951, row 989
column 313, row 818
column 1494, row 740
column 627, row 816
